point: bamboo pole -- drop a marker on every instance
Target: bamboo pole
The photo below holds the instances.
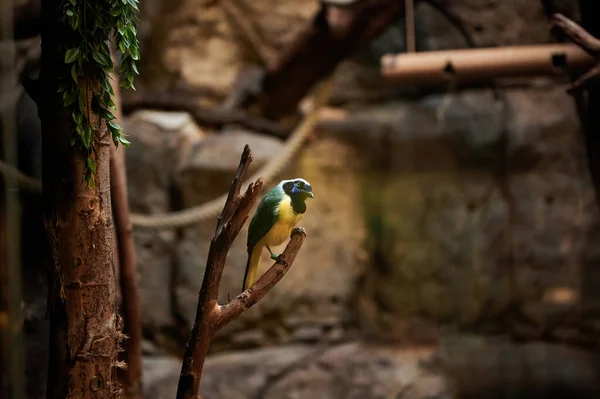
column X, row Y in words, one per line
column 475, row 65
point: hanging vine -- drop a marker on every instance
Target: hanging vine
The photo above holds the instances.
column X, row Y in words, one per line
column 87, row 53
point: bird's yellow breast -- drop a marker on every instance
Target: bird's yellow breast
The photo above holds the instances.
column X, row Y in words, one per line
column 282, row 229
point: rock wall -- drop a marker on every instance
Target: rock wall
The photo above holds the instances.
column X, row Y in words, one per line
column 480, row 218
column 462, row 367
column 468, row 215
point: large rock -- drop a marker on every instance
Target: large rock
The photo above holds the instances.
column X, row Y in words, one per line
column 461, row 367
column 478, row 216
column 199, row 45
column 207, row 169
column 497, row 368
column 158, row 140
column 196, row 44
column 351, row 370
column 311, row 302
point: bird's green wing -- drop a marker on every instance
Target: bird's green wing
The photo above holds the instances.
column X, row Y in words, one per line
column 264, row 218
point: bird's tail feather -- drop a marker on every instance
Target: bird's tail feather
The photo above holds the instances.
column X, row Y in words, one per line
column 252, row 267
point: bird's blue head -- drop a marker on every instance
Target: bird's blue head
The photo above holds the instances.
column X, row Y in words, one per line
column 298, row 189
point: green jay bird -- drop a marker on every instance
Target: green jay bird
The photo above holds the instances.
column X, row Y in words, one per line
column 279, row 211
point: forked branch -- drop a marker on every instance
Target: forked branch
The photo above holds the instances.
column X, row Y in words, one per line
column 577, row 34
column 210, row 316
column 583, row 39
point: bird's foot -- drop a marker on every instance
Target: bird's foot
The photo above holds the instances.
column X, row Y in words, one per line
column 279, row 259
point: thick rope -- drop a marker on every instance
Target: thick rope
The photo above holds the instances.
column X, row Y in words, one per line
column 212, row 208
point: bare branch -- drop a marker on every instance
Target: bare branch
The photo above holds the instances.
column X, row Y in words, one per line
column 333, row 34
column 584, row 79
column 234, row 190
column 243, row 209
column 209, row 315
column 179, row 100
column 259, row 289
column 577, row 34
column 127, row 265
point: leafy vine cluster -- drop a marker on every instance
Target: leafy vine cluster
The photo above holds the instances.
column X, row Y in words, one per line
column 87, row 57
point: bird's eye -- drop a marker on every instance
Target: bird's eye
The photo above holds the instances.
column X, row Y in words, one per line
column 298, row 184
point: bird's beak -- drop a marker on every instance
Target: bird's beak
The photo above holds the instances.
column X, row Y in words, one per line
column 310, row 194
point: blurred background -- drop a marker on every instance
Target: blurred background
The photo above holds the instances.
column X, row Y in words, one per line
column 453, row 242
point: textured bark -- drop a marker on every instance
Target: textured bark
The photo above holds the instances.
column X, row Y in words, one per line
column 210, row 316
column 127, row 267
column 82, row 309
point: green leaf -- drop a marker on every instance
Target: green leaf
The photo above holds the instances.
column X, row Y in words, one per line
column 135, row 53
column 133, row 4
column 110, row 103
column 91, row 163
column 77, row 117
column 105, row 50
column 69, row 98
column 87, row 137
column 105, row 85
column 124, row 141
column 113, row 126
column 90, row 179
column 69, row 13
column 77, row 23
column 82, row 104
column 74, row 73
column 131, row 27
column 134, row 67
column 80, row 131
column 122, row 46
column 102, row 59
column 71, row 55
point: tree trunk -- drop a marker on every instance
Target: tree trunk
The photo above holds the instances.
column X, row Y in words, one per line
column 130, row 301
column 331, row 36
column 82, row 308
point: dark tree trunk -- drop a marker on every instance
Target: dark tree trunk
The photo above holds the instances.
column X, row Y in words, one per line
column 82, row 308
column 331, row 36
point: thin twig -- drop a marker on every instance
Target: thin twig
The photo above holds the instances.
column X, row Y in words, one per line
column 584, row 79
column 586, row 41
column 577, row 34
column 234, row 190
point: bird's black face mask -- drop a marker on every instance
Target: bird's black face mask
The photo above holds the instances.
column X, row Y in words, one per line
column 298, row 188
